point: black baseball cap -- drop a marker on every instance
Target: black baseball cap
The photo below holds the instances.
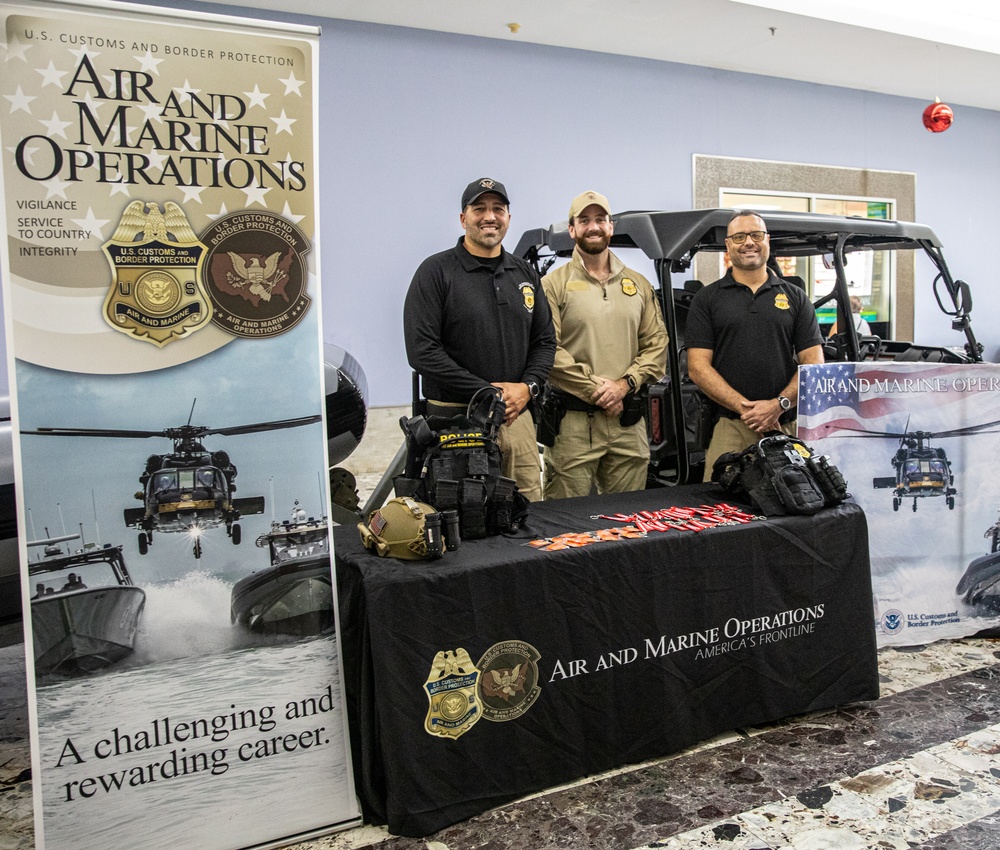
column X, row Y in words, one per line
column 481, row 187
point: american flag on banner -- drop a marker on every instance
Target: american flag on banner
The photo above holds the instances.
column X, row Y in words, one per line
column 855, row 397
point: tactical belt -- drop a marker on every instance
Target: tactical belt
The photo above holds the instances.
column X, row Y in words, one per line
column 572, row 402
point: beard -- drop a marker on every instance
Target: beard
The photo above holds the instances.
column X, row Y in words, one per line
column 591, row 245
column 748, row 263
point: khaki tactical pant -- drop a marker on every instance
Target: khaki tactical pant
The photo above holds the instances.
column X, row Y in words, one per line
column 520, row 456
column 594, row 450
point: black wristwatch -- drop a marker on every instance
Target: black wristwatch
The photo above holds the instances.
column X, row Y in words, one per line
column 784, row 402
column 532, row 388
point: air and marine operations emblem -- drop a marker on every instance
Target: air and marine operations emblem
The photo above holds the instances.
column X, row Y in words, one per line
column 256, row 274
column 156, row 293
column 781, row 301
column 508, row 686
column 528, row 293
column 628, row 286
column 451, row 690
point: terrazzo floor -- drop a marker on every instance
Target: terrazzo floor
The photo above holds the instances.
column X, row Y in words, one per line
column 917, row 768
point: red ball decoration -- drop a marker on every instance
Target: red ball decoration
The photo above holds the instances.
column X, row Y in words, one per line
column 938, row 117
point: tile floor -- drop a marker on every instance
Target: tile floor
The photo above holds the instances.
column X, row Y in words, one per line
column 917, row 768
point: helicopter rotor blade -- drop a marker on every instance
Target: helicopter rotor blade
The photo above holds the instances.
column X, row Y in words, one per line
column 968, row 429
column 861, row 433
column 182, row 432
column 264, row 426
column 94, row 432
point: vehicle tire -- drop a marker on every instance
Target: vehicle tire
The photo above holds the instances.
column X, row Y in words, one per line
column 914, row 506
column 197, row 548
column 143, row 544
column 237, row 534
column 895, row 503
column 951, row 503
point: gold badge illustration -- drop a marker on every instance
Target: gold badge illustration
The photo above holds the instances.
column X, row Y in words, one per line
column 156, row 293
column 451, row 690
column 781, row 301
column 628, row 286
column 509, row 685
column 256, row 274
column 528, row 294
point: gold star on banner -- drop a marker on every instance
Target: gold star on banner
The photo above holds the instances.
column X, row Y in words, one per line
column 51, row 76
column 55, row 127
column 91, row 223
column 19, row 101
column 16, row 48
column 256, row 97
column 292, row 85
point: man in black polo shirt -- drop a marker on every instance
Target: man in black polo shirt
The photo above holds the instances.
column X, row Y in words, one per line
column 475, row 317
column 746, row 334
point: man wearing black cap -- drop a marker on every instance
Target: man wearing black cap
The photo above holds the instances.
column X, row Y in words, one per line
column 473, row 318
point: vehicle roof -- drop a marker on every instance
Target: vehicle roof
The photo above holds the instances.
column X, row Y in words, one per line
column 678, row 235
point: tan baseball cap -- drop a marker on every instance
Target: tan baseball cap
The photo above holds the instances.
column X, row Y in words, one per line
column 581, row 202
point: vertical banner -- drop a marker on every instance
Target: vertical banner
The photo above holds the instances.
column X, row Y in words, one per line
column 916, row 443
column 161, row 284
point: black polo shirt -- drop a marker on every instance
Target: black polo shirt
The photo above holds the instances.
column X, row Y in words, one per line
column 466, row 325
column 754, row 337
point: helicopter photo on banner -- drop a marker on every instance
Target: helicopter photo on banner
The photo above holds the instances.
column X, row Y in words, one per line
column 915, row 443
column 162, row 304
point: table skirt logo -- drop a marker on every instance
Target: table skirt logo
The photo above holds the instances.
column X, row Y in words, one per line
column 451, row 691
column 508, row 686
column 156, row 293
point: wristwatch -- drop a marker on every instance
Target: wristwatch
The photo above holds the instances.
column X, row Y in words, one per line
column 631, row 383
column 532, row 388
column 784, row 402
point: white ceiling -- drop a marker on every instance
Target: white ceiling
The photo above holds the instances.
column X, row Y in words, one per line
column 915, row 48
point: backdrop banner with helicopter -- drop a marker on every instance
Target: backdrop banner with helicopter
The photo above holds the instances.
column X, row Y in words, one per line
column 916, row 443
column 166, row 366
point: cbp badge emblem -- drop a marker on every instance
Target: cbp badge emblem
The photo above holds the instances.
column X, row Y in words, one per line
column 628, row 286
column 509, row 683
column 781, row 301
column 156, row 293
column 256, row 274
column 528, row 294
column 451, row 690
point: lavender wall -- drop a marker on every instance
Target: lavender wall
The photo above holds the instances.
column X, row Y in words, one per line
column 408, row 117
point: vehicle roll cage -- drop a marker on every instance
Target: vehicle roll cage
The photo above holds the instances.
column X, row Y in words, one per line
column 673, row 239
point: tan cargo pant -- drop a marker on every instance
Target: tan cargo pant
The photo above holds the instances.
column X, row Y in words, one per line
column 594, row 450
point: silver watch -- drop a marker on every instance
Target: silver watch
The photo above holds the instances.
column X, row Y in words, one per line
column 784, row 402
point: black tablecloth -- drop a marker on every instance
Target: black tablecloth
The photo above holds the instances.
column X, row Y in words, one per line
column 644, row 646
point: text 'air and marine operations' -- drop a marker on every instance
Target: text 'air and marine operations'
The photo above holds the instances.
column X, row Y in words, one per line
column 192, row 129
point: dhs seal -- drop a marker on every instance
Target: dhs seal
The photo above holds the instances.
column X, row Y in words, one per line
column 256, row 274
column 892, row 621
column 451, row 690
column 509, row 685
column 156, row 259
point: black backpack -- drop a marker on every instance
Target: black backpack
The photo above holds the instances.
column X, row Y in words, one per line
column 781, row 475
column 454, row 463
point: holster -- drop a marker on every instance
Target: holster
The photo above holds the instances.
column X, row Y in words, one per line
column 550, row 412
column 633, row 407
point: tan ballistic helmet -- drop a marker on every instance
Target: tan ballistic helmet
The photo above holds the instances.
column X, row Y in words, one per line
column 397, row 530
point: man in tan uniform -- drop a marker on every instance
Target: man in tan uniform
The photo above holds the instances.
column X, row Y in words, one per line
column 611, row 340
